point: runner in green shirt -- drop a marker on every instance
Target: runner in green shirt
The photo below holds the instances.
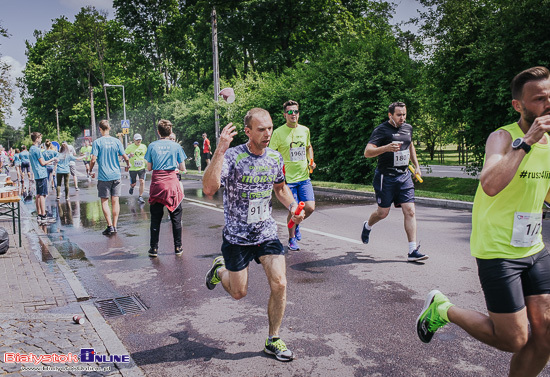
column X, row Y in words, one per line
column 197, row 155
column 292, row 141
column 86, row 151
column 513, row 263
column 136, row 152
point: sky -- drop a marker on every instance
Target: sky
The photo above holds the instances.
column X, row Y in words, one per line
column 22, row 17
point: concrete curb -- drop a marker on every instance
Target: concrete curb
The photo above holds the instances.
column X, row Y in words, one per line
column 79, row 291
column 442, row 203
column 109, row 338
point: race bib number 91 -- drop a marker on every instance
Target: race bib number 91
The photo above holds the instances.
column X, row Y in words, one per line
column 258, row 210
column 526, row 229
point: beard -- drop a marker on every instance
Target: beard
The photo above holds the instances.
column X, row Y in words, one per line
column 529, row 116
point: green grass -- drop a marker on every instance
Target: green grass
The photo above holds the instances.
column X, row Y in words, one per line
column 194, row 172
column 447, row 188
column 462, row 189
column 449, row 152
column 433, row 187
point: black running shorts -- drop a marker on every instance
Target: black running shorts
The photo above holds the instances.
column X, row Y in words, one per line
column 506, row 282
column 395, row 189
column 237, row 257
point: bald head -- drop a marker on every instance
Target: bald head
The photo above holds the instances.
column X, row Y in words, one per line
column 255, row 113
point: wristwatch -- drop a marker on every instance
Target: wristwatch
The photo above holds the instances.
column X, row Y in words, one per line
column 520, row 143
column 291, row 205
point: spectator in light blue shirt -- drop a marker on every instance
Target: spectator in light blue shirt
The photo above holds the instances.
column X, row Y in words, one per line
column 105, row 151
column 38, row 165
column 65, row 157
column 25, row 163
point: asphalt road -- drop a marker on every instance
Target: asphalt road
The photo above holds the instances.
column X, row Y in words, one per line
column 351, row 307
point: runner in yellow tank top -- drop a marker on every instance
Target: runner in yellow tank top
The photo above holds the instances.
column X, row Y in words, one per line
column 513, row 264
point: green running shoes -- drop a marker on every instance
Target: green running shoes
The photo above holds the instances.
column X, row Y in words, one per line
column 211, row 277
column 277, row 348
column 433, row 315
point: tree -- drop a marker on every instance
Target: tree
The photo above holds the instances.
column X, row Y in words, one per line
column 477, row 47
column 66, row 65
column 6, row 84
column 145, row 20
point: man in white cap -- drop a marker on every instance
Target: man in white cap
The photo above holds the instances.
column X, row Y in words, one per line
column 136, row 153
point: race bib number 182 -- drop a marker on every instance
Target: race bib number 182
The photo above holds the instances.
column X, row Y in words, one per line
column 401, row 158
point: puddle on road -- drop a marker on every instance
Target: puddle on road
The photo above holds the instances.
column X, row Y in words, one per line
column 68, row 250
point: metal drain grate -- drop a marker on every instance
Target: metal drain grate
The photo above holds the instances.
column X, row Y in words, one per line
column 114, row 307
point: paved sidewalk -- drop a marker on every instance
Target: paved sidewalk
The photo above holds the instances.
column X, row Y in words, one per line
column 39, row 298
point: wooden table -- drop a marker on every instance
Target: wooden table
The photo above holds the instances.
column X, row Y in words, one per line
column 10, row 206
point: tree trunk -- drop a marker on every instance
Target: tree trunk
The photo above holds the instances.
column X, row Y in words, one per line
column 92, row 115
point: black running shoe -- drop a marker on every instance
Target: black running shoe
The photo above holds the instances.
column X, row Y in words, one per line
column 365, row 234
column 131, row 191
column 50, row 219
column 211, row 277
column 416, row 256
column 45, row 219
column 108, row 231
column 178, row 250
column 153, row 252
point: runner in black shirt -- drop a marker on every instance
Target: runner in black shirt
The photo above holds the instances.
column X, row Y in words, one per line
column 392, row 143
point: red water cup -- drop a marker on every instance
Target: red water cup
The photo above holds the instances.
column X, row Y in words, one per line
column 78, row 319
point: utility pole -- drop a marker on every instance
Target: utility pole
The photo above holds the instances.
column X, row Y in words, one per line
column 92, row 112
column 57, row 119
column 216, row 72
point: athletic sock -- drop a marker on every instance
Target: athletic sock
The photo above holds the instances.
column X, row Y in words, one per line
column 367, row 226
column 443, row 310
column 412, row 246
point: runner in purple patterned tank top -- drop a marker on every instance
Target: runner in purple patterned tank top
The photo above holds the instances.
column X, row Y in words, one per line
column 250, row 173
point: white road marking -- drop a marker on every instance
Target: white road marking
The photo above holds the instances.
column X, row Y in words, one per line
column 211, row 206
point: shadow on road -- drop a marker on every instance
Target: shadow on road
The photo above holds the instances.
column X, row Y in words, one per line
column 186, row 349
column 351, row 257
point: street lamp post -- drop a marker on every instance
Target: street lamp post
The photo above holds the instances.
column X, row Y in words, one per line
column 216, row 73
column 123, row 107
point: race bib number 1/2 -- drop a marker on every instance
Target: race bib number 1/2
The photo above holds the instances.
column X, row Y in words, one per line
column 526, row 231
column 258, row 210
column 401, row 158
column 298, row 154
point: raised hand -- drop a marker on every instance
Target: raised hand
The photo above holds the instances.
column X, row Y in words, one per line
column 226, row 137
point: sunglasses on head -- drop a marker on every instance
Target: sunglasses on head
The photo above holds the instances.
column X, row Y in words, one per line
column 290, row 112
